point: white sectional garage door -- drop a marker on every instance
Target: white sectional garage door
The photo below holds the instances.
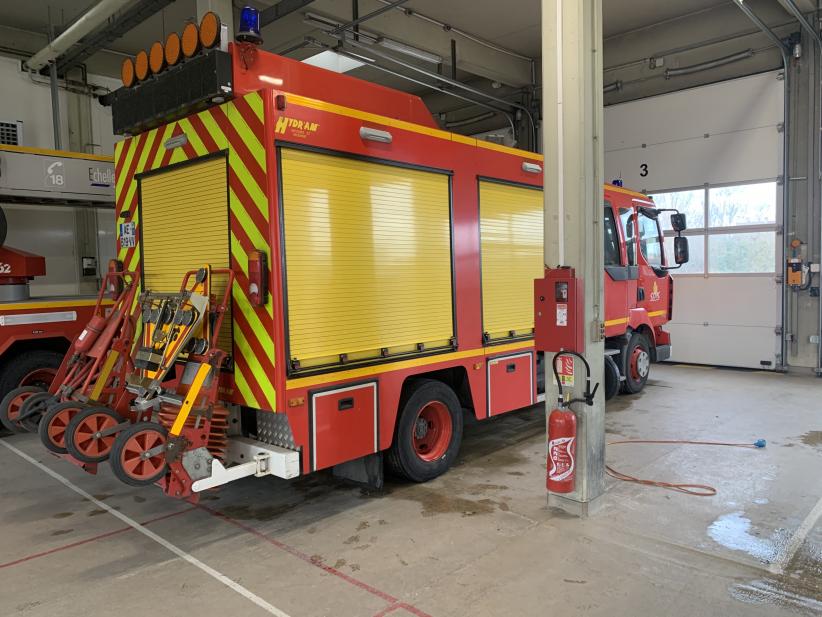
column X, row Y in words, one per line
column 714, row 152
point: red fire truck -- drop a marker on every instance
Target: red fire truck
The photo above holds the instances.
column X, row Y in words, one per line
column 35, row 333
column 383, row 268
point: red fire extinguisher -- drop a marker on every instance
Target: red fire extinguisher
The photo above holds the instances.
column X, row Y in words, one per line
column 562, row 432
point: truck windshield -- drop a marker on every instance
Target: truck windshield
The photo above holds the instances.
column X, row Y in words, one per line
column 649, row 242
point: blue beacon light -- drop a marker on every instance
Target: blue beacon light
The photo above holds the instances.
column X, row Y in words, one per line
column 249, row 26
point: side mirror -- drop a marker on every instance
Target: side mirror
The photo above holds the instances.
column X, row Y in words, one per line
column 678, row 222
column 681, row 253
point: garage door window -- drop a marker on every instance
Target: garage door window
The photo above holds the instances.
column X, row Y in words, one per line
column 740, row 234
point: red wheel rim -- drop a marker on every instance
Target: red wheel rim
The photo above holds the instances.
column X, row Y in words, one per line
column 41, row 377
column 640, row 361
column 132, row 459
column 85, row 435
column 58, row 423
column 432, row 431
column 16, row 403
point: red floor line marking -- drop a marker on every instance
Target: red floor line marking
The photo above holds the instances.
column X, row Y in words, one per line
column 387, row 610
column 395, row 602
column 101, row 536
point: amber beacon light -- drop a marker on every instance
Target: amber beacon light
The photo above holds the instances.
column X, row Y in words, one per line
column 156, row 57
column 173, row 49
column 141, row 65
column 210, row 30
column 127, row 72
column 191, row 40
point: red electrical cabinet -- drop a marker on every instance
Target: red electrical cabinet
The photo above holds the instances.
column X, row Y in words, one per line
column 559, row 311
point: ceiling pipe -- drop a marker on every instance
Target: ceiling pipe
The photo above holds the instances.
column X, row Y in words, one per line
column 784, row 51
column 89, row 21
column 370, row 50
column 419, row 82
column 710, row 64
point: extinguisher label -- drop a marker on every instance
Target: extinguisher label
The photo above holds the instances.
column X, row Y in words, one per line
column 561, row 454
column 565, row 369
column 562, row 314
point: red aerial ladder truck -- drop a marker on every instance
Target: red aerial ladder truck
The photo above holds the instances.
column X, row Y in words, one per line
column 381, row 270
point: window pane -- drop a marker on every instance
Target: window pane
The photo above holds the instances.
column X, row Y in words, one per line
column 690, row 203
column 696, row 262
column 749, row 204
column 748, row 252
column 627, row 221
column 611, row 239
column 649, row 242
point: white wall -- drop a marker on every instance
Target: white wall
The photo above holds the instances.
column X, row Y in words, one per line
column 717, row 134
column 722, row 133
column 25, row 100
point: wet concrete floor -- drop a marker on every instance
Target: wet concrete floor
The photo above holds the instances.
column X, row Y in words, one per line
column 479, row 540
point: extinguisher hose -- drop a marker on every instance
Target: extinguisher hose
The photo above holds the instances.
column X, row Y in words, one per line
column 700, row 490
column 588, row 395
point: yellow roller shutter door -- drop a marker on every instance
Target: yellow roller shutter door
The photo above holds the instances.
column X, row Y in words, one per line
column 368, row 258
column 512, row 257
column 184, row 225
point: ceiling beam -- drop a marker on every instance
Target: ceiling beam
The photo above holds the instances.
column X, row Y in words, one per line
column 101, row 37
column 280, row 10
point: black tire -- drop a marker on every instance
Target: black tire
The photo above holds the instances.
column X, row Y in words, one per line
column 115, row 459
column 611, row 378
column 636, row 364
column 4, row 407
column 53, row 437
column 81, row 452
column 17, row 367
column 34, row 408
column 404, row 458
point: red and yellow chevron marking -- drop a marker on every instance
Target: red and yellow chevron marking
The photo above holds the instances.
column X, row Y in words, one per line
column 236, row 127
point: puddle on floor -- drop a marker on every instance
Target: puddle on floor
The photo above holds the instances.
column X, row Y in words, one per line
column 783, row 594
column 733, row 531
column 812, row 438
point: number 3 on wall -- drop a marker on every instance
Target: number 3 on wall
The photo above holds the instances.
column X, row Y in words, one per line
column 643, row 169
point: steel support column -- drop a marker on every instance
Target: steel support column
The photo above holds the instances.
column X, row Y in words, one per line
column 573, row 149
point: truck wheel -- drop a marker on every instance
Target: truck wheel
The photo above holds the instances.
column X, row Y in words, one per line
column 429, row 432
column 611, row 378
column 637, row 361
column 33, row 367
column 138, row 456
column 11, row 404
column 53, row 425
column 84, row 440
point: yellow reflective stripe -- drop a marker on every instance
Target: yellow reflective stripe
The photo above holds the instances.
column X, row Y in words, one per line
column 251, row 140
column 158, row 156
column 22, row 306
column 185, row 409
column 305, row 382
column 252, row 188
column 129, row 156
column 616, row 322
column 264, row 338
column 61, row 153
column 255, row 101
column 247, row 224
column 102, row 378
column 260, row 376
column 657, row 313
column 213, row 129
column 245, row 391
column 193, row 137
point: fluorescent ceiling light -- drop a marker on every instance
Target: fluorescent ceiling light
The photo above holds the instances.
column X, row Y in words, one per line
column 333, row 61
column 411, row 51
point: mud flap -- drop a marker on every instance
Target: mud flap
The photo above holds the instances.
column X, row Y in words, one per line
column 367, row 471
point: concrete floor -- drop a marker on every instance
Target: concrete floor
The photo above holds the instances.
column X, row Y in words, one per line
column 477, row 541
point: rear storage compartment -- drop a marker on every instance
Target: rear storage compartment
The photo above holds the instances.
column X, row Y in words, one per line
column 184, row 218
column 368, row 260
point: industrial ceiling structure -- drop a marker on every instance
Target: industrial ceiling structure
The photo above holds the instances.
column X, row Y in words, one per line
column 475, row 63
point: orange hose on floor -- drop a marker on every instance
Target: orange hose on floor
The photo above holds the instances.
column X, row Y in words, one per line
column 699, row 490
